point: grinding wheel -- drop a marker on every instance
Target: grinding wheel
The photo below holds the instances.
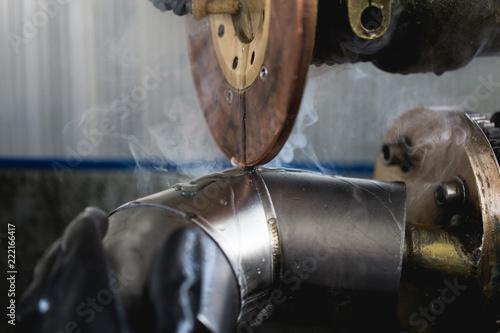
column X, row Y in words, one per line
column 249, row 71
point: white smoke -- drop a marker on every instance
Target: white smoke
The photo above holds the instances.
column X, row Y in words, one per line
column 344, row 114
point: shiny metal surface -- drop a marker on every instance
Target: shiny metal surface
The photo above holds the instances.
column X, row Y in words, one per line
column 234, row 208
column 342, row 233
column 351, row 229
column 220, row 299
column 136, row 234
column 451, row 192
column 272, row 224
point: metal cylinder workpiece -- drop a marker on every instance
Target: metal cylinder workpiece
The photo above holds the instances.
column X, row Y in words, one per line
column 331, row 232
column 341, row 232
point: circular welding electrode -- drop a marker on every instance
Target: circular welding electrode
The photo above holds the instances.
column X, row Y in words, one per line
column 249, row 71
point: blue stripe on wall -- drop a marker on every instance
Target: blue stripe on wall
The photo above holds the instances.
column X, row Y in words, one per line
column 7, row 163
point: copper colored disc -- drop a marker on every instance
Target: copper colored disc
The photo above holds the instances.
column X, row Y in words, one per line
column 250, row 92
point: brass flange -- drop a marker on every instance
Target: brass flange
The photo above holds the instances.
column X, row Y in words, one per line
column 449, row 152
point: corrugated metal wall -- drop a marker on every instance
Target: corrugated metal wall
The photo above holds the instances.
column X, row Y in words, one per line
column 111, row 79
column 107, row 70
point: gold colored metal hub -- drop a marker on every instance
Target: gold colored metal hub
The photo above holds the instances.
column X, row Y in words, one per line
column 453, row 197
column 240, row 42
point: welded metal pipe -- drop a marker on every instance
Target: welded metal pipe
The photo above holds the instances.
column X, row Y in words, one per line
column 345, row 233
column 278, row 229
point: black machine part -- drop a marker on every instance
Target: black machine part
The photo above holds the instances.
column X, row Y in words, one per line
column 423, row 36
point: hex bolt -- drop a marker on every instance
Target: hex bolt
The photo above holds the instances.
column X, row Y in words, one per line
column 451, row 193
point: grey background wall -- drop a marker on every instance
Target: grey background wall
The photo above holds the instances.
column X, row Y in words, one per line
column 84, row 81
column 70, row 67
